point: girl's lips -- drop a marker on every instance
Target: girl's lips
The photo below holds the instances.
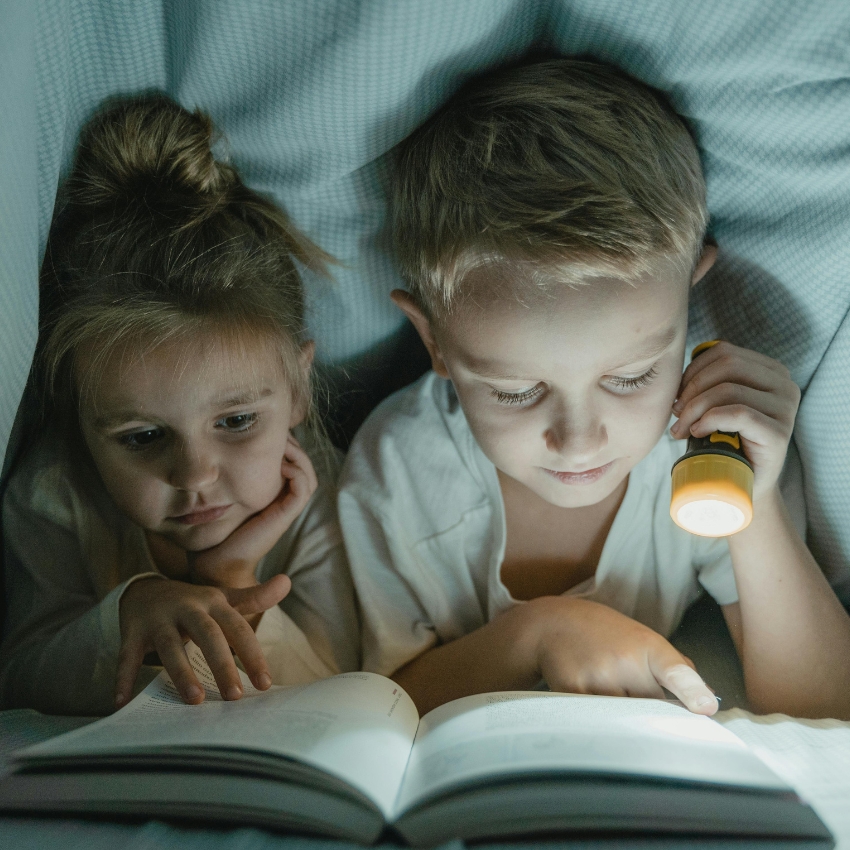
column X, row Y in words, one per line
column 200, row 517
column 588, row 476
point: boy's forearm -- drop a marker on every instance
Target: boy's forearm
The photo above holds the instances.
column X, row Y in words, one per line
column 795, row 632
column 500, row 655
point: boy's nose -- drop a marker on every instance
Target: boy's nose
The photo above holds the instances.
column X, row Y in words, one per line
column 576, row 436
column 193, row 468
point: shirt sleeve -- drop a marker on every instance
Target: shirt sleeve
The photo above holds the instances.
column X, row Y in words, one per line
column 315, row 631
column 60, row 650
column 714, row 567
column 395, row 625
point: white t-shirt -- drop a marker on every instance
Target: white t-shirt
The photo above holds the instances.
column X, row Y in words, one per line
column 424, row 526
column 70, row 554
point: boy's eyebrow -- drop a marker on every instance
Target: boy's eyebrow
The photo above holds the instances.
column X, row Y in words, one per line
column 653, row 345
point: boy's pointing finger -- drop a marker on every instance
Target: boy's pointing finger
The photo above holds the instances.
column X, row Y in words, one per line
column 689, row 687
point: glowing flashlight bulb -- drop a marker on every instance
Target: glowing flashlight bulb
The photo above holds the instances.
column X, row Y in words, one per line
column 712, row 486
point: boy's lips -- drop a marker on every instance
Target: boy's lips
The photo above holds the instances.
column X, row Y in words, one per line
column 200, row 517
column 587, row 476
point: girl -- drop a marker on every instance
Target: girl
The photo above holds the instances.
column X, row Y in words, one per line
column 166, row 497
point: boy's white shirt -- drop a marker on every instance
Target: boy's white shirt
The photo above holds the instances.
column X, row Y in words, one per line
column 70, row 554
column 423, row 521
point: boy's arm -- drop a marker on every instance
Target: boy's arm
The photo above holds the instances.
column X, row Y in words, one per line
column 791, row 631
column 794, row 633
column 575, row 645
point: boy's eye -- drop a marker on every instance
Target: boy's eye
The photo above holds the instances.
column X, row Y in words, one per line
column 634, row 383
column 522, row 397
column 141, row 439
column 238, row 422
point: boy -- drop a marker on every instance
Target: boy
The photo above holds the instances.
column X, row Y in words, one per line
column 506, row 517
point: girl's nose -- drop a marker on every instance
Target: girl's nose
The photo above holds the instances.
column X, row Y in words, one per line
column 193, row 468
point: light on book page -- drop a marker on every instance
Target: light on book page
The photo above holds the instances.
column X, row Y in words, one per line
column 693, row 728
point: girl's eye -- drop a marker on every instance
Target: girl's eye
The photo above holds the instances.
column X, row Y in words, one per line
column 522, row 397
column 239, row 422
column 141, row 439
column 635, row 383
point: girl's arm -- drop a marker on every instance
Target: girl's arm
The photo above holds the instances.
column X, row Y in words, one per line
column 60, row 650
column 792, row 634
column 71, row 628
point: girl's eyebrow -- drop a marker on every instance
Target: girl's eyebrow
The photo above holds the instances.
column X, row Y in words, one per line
column 105, row 421
column 114, row 418
column 244, row 398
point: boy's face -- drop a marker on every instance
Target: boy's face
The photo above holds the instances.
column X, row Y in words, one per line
column 565, row 391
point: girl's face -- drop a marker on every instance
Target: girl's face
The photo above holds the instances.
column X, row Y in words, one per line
column 189, row 438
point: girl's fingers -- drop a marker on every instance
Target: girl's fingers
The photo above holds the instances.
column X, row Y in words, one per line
column 299, row 458
column 130, row 660
column 301, row 486
column 172, row 652
column 260, row 597
column 203, row 629
column 240, row 636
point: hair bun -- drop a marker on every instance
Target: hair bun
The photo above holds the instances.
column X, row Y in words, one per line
column 147, row 144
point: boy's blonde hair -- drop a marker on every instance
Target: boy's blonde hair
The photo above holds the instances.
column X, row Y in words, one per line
column 567, row 169
column 155, row 240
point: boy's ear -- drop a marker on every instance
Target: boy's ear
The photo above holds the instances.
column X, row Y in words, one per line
column 405, row 301
column 305, row 363
column 706, row 261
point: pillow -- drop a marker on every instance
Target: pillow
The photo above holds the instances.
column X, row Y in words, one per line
column 313, row 96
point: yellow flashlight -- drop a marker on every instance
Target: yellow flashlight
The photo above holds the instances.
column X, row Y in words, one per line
column 712, row 482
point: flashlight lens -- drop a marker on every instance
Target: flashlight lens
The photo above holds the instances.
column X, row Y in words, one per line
column 710, row 518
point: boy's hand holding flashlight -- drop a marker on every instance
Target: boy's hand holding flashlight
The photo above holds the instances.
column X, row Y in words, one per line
column 727, row 388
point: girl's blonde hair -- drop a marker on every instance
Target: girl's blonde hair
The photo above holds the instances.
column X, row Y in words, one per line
column 155, row 240
column 567, row 169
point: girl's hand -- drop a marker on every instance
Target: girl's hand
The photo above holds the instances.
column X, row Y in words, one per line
column 233, row 562
column 160, row 614
column 727, row 388
column 588, row 648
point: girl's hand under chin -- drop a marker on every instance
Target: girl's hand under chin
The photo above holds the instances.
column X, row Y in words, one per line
column 728, row 388
column 233, row 562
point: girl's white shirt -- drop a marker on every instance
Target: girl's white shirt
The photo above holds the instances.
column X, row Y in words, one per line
column 70, row 554
column 424, row 525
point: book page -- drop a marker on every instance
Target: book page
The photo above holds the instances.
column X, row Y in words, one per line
column 491, row 735
column 812, row 756
column 355, row 726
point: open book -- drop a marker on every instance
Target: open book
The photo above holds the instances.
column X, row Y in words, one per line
column 349, row 757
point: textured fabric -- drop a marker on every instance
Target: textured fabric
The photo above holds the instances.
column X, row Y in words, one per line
column 312, row 96
column 70, row 556
column 424, row 525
